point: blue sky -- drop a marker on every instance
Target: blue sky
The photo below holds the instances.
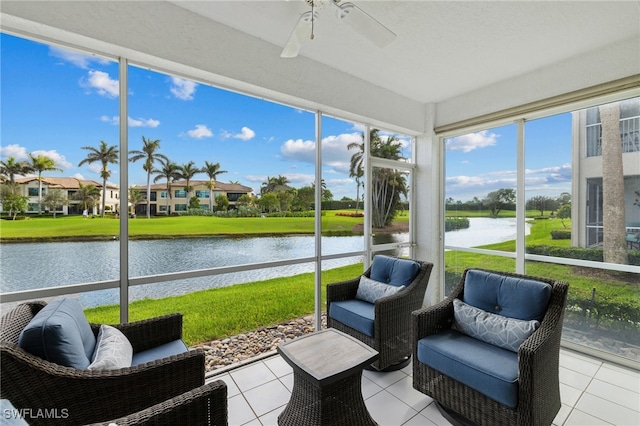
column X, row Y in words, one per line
column 55, row 101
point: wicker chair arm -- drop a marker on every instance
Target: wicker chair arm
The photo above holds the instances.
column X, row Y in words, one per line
column 205, row 405
column 433, row 319
column 92, row 395
column 343, row 290
column 538, row 355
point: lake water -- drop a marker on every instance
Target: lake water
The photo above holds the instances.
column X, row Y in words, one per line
column 39, row 265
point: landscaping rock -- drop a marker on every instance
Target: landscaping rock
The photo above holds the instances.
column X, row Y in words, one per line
column 235, row 349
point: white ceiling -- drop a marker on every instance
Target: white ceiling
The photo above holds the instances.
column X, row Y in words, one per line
column 443, row 49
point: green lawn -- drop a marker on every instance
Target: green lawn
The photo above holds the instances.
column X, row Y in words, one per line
column 173, row 226
column 226, row 311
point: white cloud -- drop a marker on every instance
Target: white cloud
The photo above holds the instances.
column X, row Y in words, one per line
column 140, row 122
column 143, row 122
column 245, row 134
column 14, row 150
column 468, row 143
column 78, row 59
column 201, row 131
column 334, row 151
column 101, row 83
column 59, row 159
column 299, row 150
column 182, row 89
column 78, row 176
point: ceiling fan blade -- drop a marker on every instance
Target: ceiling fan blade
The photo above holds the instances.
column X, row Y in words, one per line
column 299, row 35
column 365, row 24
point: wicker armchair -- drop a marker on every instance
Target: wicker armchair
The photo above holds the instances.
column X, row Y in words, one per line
column 77, row 396
column 205, row 405
column 392, row 316
column 537, row 387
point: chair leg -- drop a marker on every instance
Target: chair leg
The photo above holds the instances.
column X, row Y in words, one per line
column 393, row 367
column 454, row 418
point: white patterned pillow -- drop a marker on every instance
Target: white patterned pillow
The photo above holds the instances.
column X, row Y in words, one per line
column 370, row 290
column 113, row 350
column 507, row 333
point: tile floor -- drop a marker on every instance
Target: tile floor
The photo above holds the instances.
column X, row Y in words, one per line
column 593, row 393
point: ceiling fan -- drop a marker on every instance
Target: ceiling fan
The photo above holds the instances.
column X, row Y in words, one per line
column 347, row 12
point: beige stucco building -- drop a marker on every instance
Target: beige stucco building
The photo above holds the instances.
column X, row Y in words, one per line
column 178, row 201
column 29, row 186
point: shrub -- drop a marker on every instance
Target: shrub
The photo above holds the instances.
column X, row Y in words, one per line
column 350, row 214
column 455, row 223
column 561, row 234
column 593, row 254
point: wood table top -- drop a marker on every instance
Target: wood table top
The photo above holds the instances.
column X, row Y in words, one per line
column 327, row 356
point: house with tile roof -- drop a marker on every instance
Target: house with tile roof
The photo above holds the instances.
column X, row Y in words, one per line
column 29, row 187
column 163, row 202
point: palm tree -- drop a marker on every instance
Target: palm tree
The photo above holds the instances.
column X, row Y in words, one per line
column 387, row 185
column 187, row 172
column 356, row 168
column 10, row 168
column 170, row 172
column 150, row 155
column 105, row 155
column 87, row 195
column 212, row 170
column 135, row 198
column 42, row 163
column 613, row 220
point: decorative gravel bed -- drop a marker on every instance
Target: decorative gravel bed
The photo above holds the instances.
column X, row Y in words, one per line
column 238, row 348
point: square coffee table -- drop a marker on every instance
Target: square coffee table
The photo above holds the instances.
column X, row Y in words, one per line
column 327, row 380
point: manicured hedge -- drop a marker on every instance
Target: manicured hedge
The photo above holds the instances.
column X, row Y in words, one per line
column 561, row 234
column 455, row 223
column 594, row 254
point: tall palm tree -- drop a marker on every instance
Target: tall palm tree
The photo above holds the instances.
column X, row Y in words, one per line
column 170, row 172
column 387, row 184
column 356, row 168
column 42, row 163
column 187, row 172
column 87, row 195
column 150, row 155
column 10, row 168
column 212, row 170
column 613, row 219
column 104, row 155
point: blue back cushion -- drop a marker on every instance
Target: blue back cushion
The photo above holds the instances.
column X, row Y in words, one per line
column 512, row 297
column 393, row 271
column 60, row 333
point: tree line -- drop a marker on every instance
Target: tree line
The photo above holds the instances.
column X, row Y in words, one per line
column 389, row 186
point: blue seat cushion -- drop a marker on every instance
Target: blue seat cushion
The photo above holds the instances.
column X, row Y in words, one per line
column 393, row 271
column 520, row 298
column 488, row 369
column 60, row 333
column 175, row 347
column 354, row 313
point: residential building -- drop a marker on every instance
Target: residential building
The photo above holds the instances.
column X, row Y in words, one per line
column 587, row 198
column 29, row 187
column 178, row 200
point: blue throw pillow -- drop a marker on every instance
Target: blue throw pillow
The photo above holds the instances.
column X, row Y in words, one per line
column 60, row 333
column 393, row 271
